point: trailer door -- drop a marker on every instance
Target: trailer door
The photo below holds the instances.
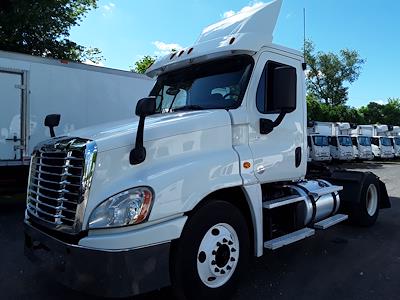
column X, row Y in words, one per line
column 10, row 117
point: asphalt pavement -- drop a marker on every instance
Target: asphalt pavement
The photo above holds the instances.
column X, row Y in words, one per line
column 343, row 262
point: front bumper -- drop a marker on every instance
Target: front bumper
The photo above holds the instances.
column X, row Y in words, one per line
column 103, row 273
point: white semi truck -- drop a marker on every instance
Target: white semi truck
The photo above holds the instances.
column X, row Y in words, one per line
column 213, row 172
column 395, row 137
column 361, row 138
column 33, row 87
column 382, row 146
column 318, row 134
column 340, row 142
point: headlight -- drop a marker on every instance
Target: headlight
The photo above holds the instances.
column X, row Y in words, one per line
column 126, row 208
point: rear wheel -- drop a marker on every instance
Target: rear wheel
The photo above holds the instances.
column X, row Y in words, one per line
column 211, row 253
column 366, row 211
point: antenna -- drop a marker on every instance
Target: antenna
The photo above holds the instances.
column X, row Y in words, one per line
column 304, row 41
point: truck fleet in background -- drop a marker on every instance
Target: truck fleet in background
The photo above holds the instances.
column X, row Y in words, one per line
column 343, row 141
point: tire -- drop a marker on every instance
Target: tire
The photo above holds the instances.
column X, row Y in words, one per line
column 366, row 211
column 210, row 229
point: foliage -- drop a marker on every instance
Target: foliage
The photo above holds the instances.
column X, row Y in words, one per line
column 143, row 64
column 373, row 113
column 41, row 27
column 328, row 73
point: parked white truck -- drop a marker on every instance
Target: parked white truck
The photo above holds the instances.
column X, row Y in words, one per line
column 214, row 171
column 395, row 137
column 33, row 87
column 361, row 138
column 382, row 146
column 340, row 142
column 318, row 134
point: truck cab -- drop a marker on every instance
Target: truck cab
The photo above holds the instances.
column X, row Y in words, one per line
column 361, row 138
column 382, row 146
column 395, row 136
column 213, row 172
column 341, row 145
column 318, row 141
column 362, row 147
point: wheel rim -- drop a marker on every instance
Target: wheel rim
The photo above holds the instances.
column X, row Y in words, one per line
column 372, row 199
column 218, row 255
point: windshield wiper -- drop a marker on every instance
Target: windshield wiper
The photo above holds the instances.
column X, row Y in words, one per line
column 188, row 107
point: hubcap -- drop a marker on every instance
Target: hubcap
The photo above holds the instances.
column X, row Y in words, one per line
column 372, row 199
column 218, row 255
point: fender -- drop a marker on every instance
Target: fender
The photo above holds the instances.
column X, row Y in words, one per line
column 352, row 181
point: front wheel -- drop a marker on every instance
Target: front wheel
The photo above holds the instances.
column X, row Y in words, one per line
column 212, row 252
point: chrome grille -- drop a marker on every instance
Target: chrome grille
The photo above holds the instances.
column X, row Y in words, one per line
column 59, row 182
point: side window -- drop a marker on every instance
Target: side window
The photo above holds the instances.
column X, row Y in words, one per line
column 266, row 100
column 375, row 141
column 354, row 140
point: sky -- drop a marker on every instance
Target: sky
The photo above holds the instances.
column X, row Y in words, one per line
column 126, row 30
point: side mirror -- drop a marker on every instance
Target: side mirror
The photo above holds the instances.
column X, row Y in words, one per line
column 146, row 107
column 52, row 121
column 284, row 89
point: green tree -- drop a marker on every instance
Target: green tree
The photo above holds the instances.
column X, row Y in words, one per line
column 41, row 27
column 328, row 73
column 143, row 64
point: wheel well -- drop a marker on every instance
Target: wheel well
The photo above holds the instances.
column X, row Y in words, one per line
column 235, row 196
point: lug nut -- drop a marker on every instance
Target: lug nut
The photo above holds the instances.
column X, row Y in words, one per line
column 233, row 250
column 213, row 263
column 228, row 268
column 224, row 241
column 233, row 259
column 218, row 244
column 222, row 272
column 216, row 270
column 230, row 243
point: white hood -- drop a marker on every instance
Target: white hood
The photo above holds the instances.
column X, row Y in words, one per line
column 123, row 133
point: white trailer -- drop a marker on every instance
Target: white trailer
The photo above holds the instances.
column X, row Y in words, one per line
column 361, row 138
column 340, row 142
column 381, row 144
column 184, row 195
column 318, row 134
column 33, row 87
column 395, row 136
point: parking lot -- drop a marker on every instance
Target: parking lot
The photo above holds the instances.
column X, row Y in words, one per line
column 343, row 263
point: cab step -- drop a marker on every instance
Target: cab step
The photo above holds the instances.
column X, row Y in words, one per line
column 324, row 224
column 282, row 201
column 289, row 238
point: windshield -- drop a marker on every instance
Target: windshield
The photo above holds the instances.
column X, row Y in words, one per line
column 320, row 140
column 219, row 84
column 397, row 141
column 364, row 141
column 385, row 141
column 345, row 141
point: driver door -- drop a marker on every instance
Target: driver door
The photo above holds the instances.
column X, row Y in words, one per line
column 281, row 154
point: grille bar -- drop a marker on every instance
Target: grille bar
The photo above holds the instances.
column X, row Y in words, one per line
column 61, row 208
column 64, row 182
column 63, row 191
column 37, row 194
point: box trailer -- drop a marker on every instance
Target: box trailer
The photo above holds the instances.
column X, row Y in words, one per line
column 33, row 87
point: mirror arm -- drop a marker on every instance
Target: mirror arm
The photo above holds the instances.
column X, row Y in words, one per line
column 138, row 154
column 267, row 125
column 52, row 133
